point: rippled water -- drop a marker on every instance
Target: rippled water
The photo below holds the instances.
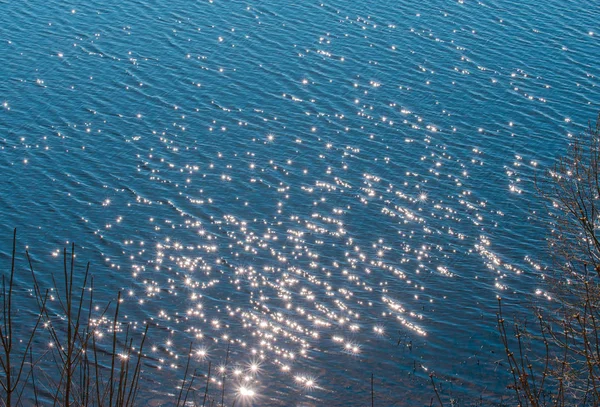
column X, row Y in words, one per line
column 335, row 189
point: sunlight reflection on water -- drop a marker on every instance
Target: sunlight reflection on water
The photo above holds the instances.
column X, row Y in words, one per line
column 328, row 189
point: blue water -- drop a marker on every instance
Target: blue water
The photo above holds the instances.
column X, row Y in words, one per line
column 335, row 189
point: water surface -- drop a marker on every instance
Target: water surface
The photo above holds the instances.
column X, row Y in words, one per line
column 334, row 189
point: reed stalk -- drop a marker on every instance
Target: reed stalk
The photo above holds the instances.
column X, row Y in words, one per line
column 76, row 369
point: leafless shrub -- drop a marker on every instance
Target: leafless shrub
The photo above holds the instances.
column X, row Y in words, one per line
column 567, row 369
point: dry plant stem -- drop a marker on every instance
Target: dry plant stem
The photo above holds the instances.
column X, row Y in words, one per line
column 73, row 375
column 590, row 301
column 546, row 359
column 87, row 376
column 514, row 369
column 207, row 382
column 437, row 394
column 97, row 375
column 33, row 377
column 124, row 368
column 567, row 372
column 224, row 376
column 12, row 377
column 111, row 382
column 372, row 392
column 70, row 344
column 29, row 374
column 76, row 384
column 187, row 367
column 189, row 389
column 525, row 378
column 6, row 332
column 72, row 360
column 136, row 374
